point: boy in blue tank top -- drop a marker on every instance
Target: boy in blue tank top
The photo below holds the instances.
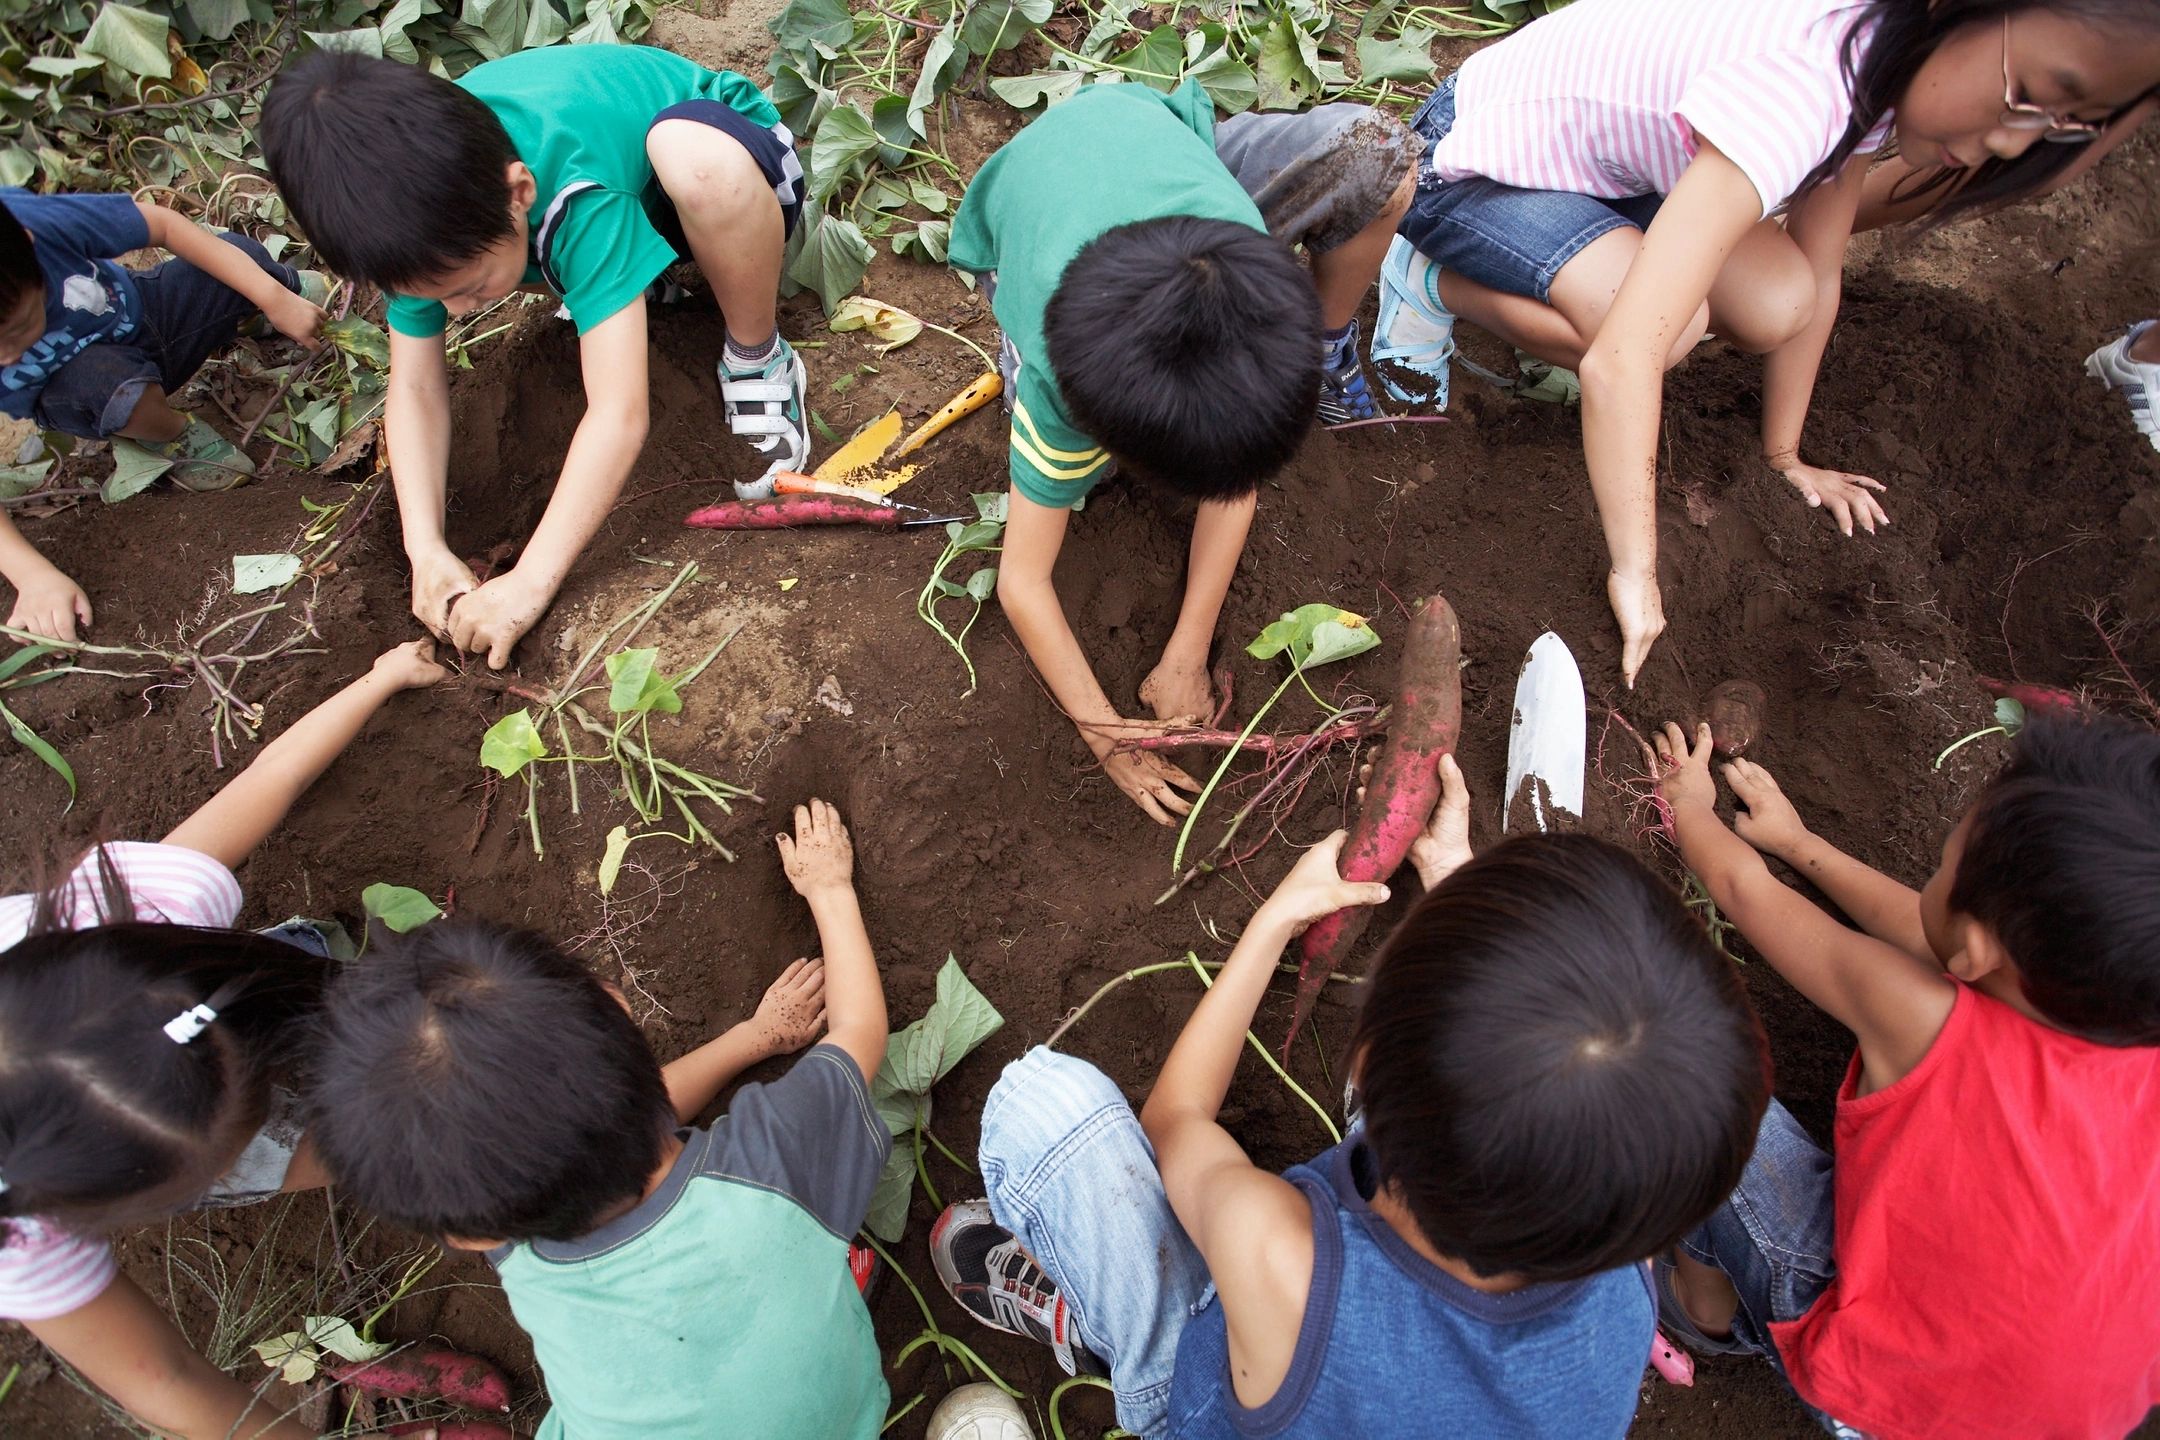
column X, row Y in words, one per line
column 1559, row 1076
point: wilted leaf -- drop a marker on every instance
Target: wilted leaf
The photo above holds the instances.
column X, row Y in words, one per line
column 618, row 845
column 933, row 238
column 1043, row 87
column 292, row 1355
column 1228, row 81
column 359, row 339
column 366, row 41
column 891, row 326
column 823, row 26
column 511, row 744
column 991, row 506
column 402, row 909
column 838, row 151
column 134, row 471
column 982, row 584
column 1158, row 61
column 16, row 166
column 941, row 66
column 832, row 258
column 131, row 40
column 895, row 129
column 993, row 25
column 638, row 686
column 22, row 479
column 340, row 1339
column 1408, row 57
column 39, row 746
column 889, row 1201
column 1283, row 78
column 217, row 19
column 253, row 574
column 2010, row 714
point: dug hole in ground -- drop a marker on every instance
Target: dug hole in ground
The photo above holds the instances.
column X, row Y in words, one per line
column 2025, row 513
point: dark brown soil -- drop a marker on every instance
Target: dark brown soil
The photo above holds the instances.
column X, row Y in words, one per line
column 2021, row 499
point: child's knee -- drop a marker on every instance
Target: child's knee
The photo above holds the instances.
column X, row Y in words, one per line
column 711, row 180
column 1038, row 1100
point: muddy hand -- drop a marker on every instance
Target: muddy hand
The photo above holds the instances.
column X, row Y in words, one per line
column 1176, row 690
column 1769, row 823
column 1683, row 769
column 438, row 579
column 1640, row 610
column 494, row 617
column 1315, row 887
column 792, row 1014
column 50, row 605
column 1845, row 496
column 819, row 856
column 411, row 666
column 1152, row 783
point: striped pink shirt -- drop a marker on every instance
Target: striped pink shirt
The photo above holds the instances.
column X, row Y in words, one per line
column 47, row 1271
column 1610, row 97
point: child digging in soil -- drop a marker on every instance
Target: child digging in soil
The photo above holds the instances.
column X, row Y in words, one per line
column 1138, row 257
column 146, row 1047
column 1983, row 1259
column 1559, row 1077
column 478, row 1084
column 1621, row 177
column 94, row 350
column 583, row 171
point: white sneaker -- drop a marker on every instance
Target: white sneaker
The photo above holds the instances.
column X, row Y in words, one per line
column 2140, row 383
column 766, row 408
column 979, row 1412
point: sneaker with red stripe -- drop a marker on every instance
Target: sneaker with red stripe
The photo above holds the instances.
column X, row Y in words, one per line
column 984, row 1267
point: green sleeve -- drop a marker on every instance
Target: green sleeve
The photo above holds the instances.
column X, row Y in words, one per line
column 422, row 318
column 1192, row 105
column 1051, row 463
column 605, row 253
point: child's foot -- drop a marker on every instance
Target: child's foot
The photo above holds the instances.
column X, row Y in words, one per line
column 1344, row 395
column 999, row 1283
column 979, row 1412
column 2138, row 380
column 1415, row 335
column 765, row 406
column 865, row 1269
column 203, row 460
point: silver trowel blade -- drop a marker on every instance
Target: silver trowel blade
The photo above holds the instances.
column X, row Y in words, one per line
column 1546, row 740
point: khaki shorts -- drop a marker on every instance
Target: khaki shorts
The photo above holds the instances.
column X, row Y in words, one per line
column 1319, row 176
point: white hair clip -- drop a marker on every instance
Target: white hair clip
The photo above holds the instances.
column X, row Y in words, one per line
column 191, row 1022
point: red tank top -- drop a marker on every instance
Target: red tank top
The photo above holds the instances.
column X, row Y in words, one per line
column 1998, row 1241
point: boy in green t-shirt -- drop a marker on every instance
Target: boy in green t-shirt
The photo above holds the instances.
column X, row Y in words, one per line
column 476, row 1083
column 1139, row 259
column 578, row 170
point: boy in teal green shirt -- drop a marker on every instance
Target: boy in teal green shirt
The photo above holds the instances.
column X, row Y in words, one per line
column 677, row 1281
column 579, row 170
column 1139, row 260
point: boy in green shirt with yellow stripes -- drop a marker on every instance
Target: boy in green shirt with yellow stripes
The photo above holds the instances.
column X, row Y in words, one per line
column 1139, row 260
column 578, row 170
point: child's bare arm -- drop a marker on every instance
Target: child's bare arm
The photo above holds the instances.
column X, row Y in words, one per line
column 1252, row 1227
column 233, row 268
column 1894, row 1003
column 242, row 815
column 788, row 1018
column 416, row 431
column 820, row 863
column 1033, row 536
column 125, row 1346
column 494, row 617
column 1876, row 903
column 47, row 602
column 1178, row 688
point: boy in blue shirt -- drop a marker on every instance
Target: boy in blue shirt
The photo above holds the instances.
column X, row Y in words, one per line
column 1559, row 1076
column 582, row 171
column 91, row 349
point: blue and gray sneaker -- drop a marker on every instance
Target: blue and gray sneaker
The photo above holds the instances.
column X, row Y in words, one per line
column 765, row 407
column 1415, row 336
column 1344, row 395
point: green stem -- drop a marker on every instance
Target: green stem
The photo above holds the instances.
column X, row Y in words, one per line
column 931, row 1135
column 1177, row 856
column 1262, row 1051
column 922, row 1172
column 532, row 813
column 1957, row 745
column 1057, row 1398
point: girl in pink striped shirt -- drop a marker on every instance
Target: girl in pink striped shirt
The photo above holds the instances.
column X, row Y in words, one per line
column 141, row 1039
column 1622, row 176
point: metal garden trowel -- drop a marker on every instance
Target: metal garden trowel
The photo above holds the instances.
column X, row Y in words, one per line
column 1546, row 741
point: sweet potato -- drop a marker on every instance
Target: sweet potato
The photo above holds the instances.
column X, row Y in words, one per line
column 1735, row 711
column 1400, row 794
column 455, row 1429
column 784, row 512
column 2037, row 699
column 430, row 1372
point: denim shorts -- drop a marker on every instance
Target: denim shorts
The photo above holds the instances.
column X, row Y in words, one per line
column 1775, row 1238
column 1072, row 1175
column 187, row 316
column 1510, row 240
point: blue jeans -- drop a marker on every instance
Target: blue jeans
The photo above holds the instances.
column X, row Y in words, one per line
column 187, row 316
column 1505, row 239
column 1775, row 1238
column 1071, row 1174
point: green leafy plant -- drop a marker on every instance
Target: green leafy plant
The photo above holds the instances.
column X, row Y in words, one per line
column 636, row 689
column 1311, row 635
column 2009, row 719
column 980, row 536
column 399, row 909
column 916, row 1058
column 16, row 674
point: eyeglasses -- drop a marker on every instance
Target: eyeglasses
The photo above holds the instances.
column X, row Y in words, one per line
column 2023, row 115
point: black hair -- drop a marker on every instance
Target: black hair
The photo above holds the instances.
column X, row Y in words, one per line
column 474, row 1081
column 19, row 272
column 1189, row 349
column 396, row 175
column 2062, row 863
column 1560, row 1073
column 1899, row 36
column 105, row 1120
